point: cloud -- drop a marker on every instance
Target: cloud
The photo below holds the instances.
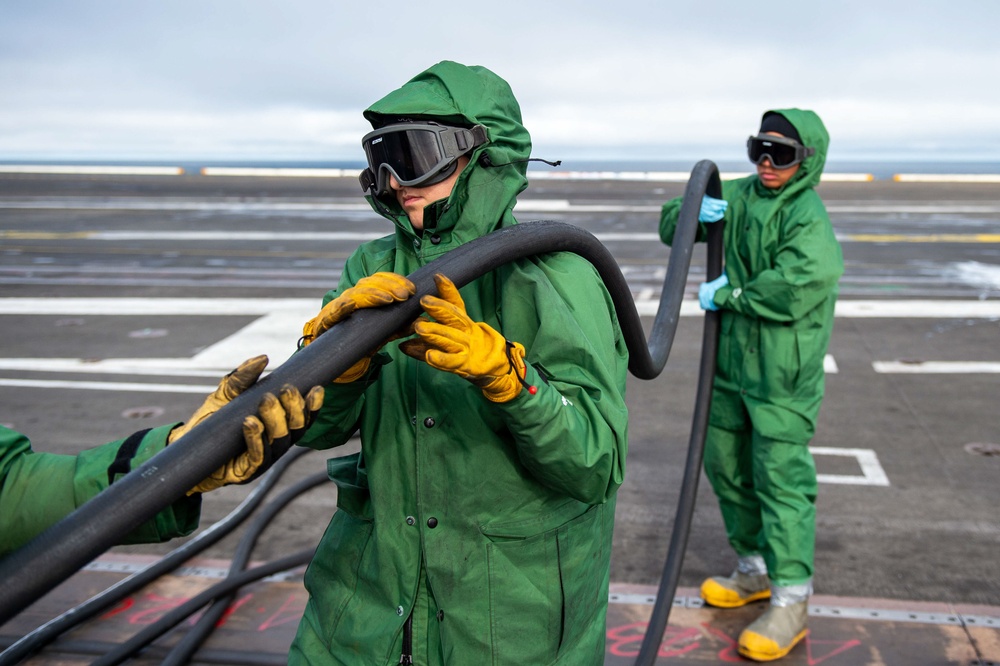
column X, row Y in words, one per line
column 259, row 78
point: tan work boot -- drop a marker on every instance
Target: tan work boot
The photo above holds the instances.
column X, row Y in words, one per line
column 737, row 590
column 775, row 633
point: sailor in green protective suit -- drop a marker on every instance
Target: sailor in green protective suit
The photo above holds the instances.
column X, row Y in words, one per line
column 475, row 524
column 776, row 298
column 38, row 489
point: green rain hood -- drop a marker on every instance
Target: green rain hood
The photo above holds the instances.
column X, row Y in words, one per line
column 467, row 531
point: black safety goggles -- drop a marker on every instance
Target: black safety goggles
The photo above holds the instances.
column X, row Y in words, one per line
column 416, row 154
column 779, row 151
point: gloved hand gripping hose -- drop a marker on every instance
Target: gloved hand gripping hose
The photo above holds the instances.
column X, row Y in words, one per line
column 60, row 551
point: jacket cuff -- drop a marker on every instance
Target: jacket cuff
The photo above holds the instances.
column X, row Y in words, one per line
column 152, row 443
column 180, row 518
column 722, row 295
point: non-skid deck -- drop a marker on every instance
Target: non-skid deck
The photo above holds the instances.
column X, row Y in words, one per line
column 262, row 621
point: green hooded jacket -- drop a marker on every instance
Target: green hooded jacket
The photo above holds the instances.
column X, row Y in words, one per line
column 470, row 531
column 783, row 262
column 38, row 490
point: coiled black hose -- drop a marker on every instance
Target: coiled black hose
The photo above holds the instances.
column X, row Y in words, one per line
column 197, row 634
column 227, row 585
column 46, row 633
column 193, row 638
column 60, row 551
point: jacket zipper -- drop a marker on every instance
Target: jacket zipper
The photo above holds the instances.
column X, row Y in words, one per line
column 406, row 659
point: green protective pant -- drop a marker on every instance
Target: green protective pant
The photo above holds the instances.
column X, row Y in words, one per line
column 767, row 494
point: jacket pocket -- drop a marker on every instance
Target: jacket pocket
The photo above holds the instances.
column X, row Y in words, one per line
column 333, row 574
column 547, row 588
column 725, row 362
column 340, row 560
column 525, row 599
column 351, row 478
column 584, row 570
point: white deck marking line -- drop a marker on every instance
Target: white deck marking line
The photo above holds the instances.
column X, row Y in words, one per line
column 157, row 306
column 526, row 205
column 936, row 367
column 819, row 610
column 278, row 325
column 285, row 172
column 108, row 386
column 876, row 309
column 93, row 170
column 274, row 332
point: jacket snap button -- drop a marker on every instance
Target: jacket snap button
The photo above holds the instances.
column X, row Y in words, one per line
column 432, row 522
column 416, row 242
column 410, row 520
column 440, row 615
column 400, row 611
column 435, row 239
column 429, row 422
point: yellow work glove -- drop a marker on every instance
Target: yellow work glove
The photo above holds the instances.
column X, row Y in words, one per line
column 279, row 423
column 369, row 292
column 472, row 350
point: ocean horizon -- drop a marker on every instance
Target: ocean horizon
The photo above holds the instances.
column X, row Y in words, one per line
column 878, row 168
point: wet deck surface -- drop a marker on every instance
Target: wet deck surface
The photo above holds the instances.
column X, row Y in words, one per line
column 262, row 621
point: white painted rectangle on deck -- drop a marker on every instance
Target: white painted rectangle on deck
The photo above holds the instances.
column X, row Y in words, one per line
column 872, row 473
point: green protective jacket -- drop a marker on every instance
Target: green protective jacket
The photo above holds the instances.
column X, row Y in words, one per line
column 38, row 489
column 471, row 531
column 783, row 262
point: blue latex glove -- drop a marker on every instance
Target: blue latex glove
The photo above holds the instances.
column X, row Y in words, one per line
column 712, row 209
column 706, row 292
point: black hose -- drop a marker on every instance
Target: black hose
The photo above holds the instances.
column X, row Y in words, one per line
column 692, row 468
column 46, row 633
column 196, row 635
column 79, row 647
column 177, row 615
column 57, row 553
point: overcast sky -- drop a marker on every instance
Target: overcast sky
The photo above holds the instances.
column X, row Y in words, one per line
column 631, row 79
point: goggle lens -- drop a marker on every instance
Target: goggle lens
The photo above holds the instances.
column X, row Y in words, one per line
column 781, row 153
column 409, row 153
column 416, row 154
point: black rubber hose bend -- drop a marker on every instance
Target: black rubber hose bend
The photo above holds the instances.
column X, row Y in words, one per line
column 178, row 614
column 60, row 551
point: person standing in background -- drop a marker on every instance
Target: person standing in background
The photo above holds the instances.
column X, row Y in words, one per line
column 776, row 298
